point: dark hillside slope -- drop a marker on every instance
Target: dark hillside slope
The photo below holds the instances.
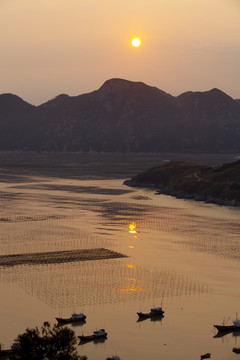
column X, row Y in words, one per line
column 17, row 122
column 120, row 116
column 123, row 116
column 209, row 118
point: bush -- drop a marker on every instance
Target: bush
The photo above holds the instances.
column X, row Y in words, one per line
column 47, row 344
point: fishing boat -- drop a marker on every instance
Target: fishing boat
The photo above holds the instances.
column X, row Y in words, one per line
column 158, row 311
column 205, row 356
column 234, row 327
column 80, row 317
column 5, row 353
column 98, row 334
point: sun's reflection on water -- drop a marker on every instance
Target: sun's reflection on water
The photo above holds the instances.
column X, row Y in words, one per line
column 131, row 266
column 132, row 228
column 130, row 288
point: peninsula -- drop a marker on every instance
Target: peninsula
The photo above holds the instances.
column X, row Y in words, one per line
column 213, row 184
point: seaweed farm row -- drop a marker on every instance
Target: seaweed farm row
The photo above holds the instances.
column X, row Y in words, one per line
column 54, row 257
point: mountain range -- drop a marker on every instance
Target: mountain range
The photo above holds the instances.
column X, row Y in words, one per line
column 123, row 116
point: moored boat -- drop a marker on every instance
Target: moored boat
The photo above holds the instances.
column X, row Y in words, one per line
column 228, row 328
column 205, row 356
column 158, row 311
column 5, row 353
column 80, row 317
column 98, row 334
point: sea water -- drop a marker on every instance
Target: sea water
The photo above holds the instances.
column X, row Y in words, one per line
column 182, row 255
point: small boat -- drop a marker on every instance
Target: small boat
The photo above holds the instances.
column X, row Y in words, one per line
column 236, row 350
column 205, row 356
column 224, row 328
column 80, row 317
column 98, row 334
column 153, row 312
column 5, row 353
column 152, row 318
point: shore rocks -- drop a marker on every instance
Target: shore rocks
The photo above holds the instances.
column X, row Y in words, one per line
column 163, row 190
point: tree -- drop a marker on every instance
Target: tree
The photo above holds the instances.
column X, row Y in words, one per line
column 56, row 343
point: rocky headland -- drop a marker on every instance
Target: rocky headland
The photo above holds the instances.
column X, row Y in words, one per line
column 213, row 184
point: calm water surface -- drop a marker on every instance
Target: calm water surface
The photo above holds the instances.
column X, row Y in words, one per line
column 184, row 256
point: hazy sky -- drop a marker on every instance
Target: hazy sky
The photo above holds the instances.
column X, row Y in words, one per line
column 49, row 47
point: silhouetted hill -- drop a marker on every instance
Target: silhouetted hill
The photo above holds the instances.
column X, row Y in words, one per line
column 17, row 119
column 123, row 116
column 218, row 184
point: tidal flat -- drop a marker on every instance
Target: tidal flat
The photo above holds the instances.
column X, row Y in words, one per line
column 182, row 255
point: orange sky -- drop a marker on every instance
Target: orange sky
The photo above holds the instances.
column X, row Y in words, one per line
column 49, row 47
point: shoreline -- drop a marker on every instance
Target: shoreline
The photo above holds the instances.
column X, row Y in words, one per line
column 178, row 194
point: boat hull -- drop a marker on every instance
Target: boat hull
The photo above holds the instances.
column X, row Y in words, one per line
column 70, row 320
column 150, row 314
column 205, row 356
column 6, row 353
column 92, row 337
column 223, row 328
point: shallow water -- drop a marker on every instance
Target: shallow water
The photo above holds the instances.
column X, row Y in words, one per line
column 184, row 255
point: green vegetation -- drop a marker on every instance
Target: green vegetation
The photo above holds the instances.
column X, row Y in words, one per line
column 219, row 184
column 56, row 343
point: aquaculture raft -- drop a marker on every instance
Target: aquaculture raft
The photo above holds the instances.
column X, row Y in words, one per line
column 54, row 257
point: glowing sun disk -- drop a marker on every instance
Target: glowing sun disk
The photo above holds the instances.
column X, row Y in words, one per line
column 136, row 42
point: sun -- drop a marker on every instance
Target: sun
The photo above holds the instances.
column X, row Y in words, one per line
column 136, row 42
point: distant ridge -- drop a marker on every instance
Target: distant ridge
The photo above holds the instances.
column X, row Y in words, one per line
column 123, row 116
